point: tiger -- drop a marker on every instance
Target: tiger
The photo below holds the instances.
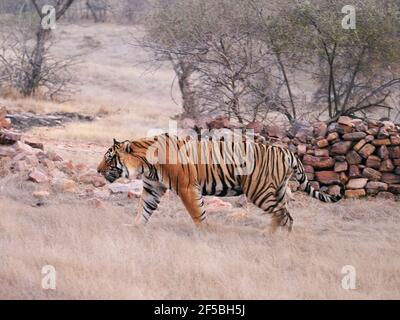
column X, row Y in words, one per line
column 259, row 171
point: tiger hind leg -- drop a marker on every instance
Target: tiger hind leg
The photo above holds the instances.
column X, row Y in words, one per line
column 281, row 218
column 194, row 204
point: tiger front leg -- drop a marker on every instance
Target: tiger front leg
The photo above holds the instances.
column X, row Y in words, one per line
column 149, row 200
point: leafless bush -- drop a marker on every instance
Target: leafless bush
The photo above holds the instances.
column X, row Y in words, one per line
column 25, row 60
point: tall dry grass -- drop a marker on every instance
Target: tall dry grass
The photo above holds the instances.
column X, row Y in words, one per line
column 98, row 254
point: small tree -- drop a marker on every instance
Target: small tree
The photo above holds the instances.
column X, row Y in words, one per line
column 25, row 61
column 356, row 69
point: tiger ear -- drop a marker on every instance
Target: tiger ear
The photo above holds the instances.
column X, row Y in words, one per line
column 116, row 143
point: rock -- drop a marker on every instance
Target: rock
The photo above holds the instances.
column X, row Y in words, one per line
column 5, row 123
column 320, row 129
column 397, row 171
column 391, row 178
column 343, row 177
column 383, row 152
column 340, row 148
column 93, row 177
column 41, row 195
column 373, row 187
column 382, row 134
column 343, row 129
column 373, row 162
column 323, row 143
column 394, row 188
column 386, row 166
column 219, row 123
column 38, row 176
column 354, row 171
column 133, row 186
column 321, row 153
column 367, row 150
column 256, row 126
column 317, row 162
column 69, row 185
column 359, row 145
column 23, row 147
column 372, row 132
column 357, row 183
column 369, row 138
column 395, row 140
column 396, row 162
column 53, row 156
column 273, row 131
column 332, row 136
column 385, row 196
column 353, row 157
column 7, row 151
column 304, row 133
column 308, row 169
column 327, row 177
column 345, row 121
column 372, row 174
column 188, row 123
column 341, row 166
column 216, row 204
column 381, row 142
column 35, row 145
column 354, row 136
column 301, row 149
column 394, row 152
column 357, row 193
column 9, row 137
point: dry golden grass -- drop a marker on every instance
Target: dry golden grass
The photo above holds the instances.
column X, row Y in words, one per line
column 97, row 254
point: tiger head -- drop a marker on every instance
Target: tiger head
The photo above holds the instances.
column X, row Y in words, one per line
column 119, row 161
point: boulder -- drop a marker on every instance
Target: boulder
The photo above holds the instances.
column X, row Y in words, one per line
column 332, row 136
column 356, row 193
column 394, row 188
column 344, row 120
column 391, row 178
column 394, row 152
column 354, row 171
column 367, row 150
column 386, row 166
column 341, row 148
column 318, row 162
column 383, row 152
column 359, row 145
column 354, row 136
column 214, row 204
column 327, row 177
column 353, row 157
column 38, row 176
column 321, row 153
column 373, row 187
column 357, row 183
column 372, row 174
column 385, row 196
column 395, row 140
column 322, row 143
column 320, row 129
column 301, row 149
column 7, row 151
column 9, row 137
column 381, row 142
column 256, row 126
column 373, row 162
column 341, row 166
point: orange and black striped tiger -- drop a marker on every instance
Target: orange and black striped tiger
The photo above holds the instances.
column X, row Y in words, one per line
column 194, row 169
